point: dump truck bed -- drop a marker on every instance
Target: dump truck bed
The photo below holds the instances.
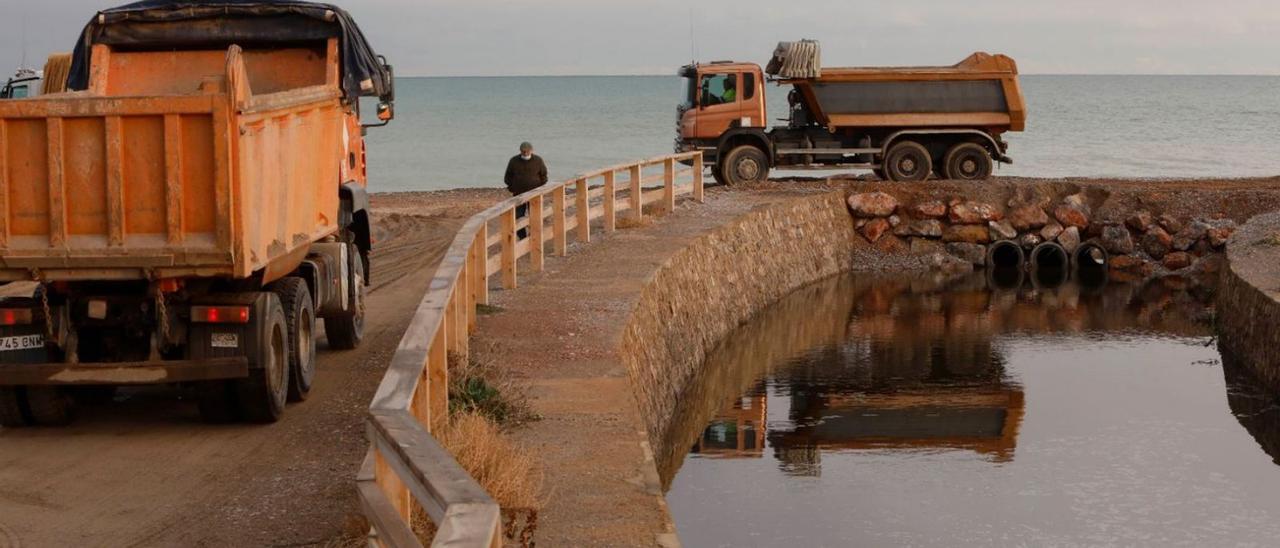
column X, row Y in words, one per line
column 980, row 92
column 170, row 165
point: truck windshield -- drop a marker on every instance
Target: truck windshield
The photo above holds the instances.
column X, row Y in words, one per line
column 689, row 87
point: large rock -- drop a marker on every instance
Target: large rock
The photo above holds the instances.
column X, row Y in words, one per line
column 873, row 204
column 1028, row 217
column 1177, row 260
column 1219, row 235
column 1126, row 262
column 1002, row 230
column 875, row 229
column 1050, row 231
column 974, row 254
column 924, row 228
column 1117, row 240
column 974, row 213
column 925, row 246
column 973, row 234
column 1157, row 242
column 1139, row 222
column 1070, row 214
column 930, row 210
column 1030, row 240
column 1190, row 234
column 1070, row 239
column 1170, row 223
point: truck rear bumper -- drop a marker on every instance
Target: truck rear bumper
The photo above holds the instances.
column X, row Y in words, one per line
column 125, row 373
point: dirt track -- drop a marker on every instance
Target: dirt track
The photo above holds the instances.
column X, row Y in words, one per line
column 147, row 471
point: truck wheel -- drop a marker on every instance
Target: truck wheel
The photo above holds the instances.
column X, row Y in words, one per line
column 718, row 174
column 967, row 162
column 50, row 405
column 908, row 161
column 11, row 415
column 345, row 331
column 300, row 318
column 745, row 164
column 262, row 395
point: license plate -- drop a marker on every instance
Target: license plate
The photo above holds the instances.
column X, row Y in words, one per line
column 21, row 342
column 226, row 340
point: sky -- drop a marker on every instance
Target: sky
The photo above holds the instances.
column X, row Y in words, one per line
column 561, row 37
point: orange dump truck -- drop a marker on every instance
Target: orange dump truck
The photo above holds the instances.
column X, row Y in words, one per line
column 903, row 123
column 188, row 209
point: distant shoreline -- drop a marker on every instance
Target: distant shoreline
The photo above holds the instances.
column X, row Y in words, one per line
column 673, row 75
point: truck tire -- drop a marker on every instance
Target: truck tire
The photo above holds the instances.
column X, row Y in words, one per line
column 908, row 161
column 300, row 318
column 717, row 174
column 262, row 396
column 967, row 162
column 745, row 164
column 346, row 331
column 49, row 406
column 11, row 403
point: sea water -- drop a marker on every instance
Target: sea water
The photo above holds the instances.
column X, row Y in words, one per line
column 460, row 132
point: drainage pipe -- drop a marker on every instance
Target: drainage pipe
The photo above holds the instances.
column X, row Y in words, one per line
column 1050, row 265
column 1090, row 263
column 1006, row 254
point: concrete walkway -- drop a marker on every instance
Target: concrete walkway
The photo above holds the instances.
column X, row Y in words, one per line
column 560, row 333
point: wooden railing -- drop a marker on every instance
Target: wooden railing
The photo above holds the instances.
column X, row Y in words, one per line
column 406, row 466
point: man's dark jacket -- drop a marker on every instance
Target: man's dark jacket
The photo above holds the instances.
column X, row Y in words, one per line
column 525, row 175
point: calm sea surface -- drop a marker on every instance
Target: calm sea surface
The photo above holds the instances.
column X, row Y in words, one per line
column 459, row 132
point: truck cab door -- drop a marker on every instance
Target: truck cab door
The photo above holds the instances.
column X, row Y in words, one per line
column 719, row 103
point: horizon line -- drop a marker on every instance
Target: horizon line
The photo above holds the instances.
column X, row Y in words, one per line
column 672, row 74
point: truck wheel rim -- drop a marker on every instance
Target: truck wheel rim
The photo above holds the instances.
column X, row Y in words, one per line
column 969, row 167
column 748, row 169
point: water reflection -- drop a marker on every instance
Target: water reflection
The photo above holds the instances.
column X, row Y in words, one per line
column 879, row 395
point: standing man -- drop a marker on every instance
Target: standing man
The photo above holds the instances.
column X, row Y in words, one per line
column 525, row 172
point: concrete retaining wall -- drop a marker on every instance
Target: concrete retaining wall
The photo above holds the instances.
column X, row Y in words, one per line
column 1249, row 299
column 721, row 280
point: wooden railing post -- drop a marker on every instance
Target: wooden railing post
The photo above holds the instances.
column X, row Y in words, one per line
column 669, row 185
column 509, row 280
column 637, row 193
column 536, row 249
column 697, row 178
column 480, row 268
column 438, row 365
column 392, row 487
column 610, row 202
column 558, row 221
column 584, row 211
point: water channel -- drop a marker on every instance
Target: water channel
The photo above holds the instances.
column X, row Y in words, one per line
column 874, row 411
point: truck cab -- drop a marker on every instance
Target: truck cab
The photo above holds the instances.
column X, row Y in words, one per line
column 26, row 83
column 724, row 104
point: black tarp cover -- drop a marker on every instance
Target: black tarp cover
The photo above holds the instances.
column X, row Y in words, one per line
column 176, row 24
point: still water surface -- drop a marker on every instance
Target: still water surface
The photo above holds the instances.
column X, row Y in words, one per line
column 875, row 412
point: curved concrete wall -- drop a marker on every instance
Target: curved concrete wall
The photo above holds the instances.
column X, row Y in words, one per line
column 718, row 282
column 1249, row 299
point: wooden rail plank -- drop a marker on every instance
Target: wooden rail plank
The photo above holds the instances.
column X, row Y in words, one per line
column 57, row 184
column 173, row 179
column 114, row 140
column 392, row 488
column 383, row 516
column 583, row 212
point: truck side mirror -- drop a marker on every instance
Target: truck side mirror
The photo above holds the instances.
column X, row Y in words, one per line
column 386, row 112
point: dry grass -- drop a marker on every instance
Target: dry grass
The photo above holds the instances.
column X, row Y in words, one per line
column 626, row 222
column 507, row 471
